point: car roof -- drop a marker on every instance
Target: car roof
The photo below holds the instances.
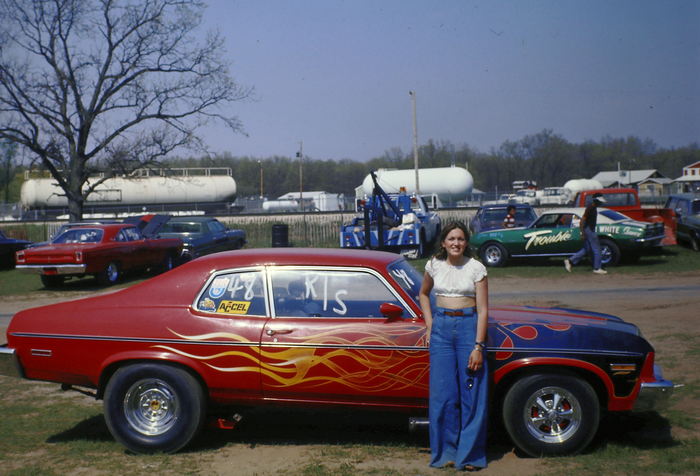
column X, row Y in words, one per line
column 505, row 206
column 194, row 219
column 297, row 256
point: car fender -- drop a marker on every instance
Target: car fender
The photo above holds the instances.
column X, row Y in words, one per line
column 115, row 361
column 614, row 402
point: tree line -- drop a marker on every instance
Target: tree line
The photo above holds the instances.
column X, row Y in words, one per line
column 545, row 157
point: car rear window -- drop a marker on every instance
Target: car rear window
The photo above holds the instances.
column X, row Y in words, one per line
column 80, row 235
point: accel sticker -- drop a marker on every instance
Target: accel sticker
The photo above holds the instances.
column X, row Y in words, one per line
column 234, row 307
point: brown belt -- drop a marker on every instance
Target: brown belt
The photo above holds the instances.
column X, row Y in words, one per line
column 454, row 313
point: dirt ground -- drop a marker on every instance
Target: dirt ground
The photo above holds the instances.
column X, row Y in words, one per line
column 665, row 307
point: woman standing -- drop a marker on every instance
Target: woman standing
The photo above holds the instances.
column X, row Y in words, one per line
column 456, row 330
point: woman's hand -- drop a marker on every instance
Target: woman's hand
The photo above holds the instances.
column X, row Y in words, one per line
column 476, row 360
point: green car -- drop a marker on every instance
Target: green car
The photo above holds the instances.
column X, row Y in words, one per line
column 556, row 233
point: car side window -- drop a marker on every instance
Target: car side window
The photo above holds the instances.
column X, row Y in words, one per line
column 329, row 293
column 547, row 221
column 234, row 294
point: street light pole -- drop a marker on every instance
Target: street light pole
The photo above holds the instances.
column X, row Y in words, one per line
column 415, row 140
column 261, row 179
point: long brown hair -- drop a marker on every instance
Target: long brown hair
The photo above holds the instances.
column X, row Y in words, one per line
column 442, row 252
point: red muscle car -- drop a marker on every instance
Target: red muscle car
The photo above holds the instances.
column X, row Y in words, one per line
column 105, row 251
column 318, row 327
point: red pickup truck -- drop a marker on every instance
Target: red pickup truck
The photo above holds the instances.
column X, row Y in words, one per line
column 626, row 201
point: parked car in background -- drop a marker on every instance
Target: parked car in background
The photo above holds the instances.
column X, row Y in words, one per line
column 202, row 235
column 318, row 328
column 8, row 248
column 627, row 202
column 105, row 251
column 490, row 217
column 687, row 208
column 556, row 233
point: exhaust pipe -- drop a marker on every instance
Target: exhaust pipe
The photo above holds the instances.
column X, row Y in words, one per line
column 418, row 423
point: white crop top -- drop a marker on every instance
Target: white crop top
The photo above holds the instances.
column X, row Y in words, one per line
column 455, row 281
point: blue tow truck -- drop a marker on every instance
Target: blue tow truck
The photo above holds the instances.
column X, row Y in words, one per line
column 396, row 222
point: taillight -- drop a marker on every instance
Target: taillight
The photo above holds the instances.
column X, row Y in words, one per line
column 78, row 256
column 19, row 256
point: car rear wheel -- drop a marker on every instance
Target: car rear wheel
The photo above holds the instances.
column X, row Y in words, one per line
column 109, row 275
column 154, row 408
column 609, row 252
column 51, row 281
column 550, row 414
column 493, row 254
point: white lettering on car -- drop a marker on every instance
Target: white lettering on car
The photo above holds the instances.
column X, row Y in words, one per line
column 310, row 281
column 403, row 276
column 544, row 237
column 343, row 308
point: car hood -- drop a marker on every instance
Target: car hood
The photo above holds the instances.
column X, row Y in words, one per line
column 563, row 330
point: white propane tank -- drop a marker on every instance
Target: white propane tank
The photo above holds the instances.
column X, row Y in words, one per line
column 579, row 185
column 450, row 184
column 280, row 205
column 45, row 192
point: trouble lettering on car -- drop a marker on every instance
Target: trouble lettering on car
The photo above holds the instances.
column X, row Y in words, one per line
column 545, row 237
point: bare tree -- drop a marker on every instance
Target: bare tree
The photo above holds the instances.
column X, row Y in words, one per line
column 90, row 85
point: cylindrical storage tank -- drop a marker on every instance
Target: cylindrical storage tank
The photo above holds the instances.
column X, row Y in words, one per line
column 449, row 183
column 280, row 236
column 280, row 205
column 578, row 185
column 37, row 193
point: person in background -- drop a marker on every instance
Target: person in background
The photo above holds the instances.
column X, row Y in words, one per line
column 509, row 220
column 456, row 334
column 591, row 244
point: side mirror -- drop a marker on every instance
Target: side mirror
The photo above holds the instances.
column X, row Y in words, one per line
column 391, row 311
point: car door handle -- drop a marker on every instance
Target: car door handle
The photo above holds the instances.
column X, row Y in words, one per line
column 272, row 332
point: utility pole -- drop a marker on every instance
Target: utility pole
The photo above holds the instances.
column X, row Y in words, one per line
column 261, row 179
column 300, row 154
column 415, row 140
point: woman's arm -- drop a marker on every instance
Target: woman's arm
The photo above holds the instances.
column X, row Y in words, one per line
column 424, row 299
column 476, row 357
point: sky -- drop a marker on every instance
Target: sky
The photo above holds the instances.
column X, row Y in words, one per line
column 335, row 75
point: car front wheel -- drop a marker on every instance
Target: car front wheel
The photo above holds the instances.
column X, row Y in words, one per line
column 493, row 254
column 550, row 414
column 154, row 408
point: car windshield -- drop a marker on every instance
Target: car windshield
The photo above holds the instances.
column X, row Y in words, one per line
column 407, row 277
column 613, row 215
column 522, row 215
column 80, row 235
column 181, row 227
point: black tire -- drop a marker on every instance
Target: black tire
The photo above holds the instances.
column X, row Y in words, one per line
column 493, row 254
column 539, row 427
column 154, row 408
column 609, row 252
column 110, row 275
column 695, row 242
column 51, row 281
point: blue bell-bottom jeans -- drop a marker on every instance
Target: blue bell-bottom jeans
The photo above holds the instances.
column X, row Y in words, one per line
column 591, row 246
column 458, row 397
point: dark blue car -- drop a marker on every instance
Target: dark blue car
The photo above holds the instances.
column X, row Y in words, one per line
column 490, row 217
column 202, row 235
column 687, row 208
column 8, row 247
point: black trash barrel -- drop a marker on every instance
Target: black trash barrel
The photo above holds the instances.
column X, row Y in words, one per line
column 280, row 236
